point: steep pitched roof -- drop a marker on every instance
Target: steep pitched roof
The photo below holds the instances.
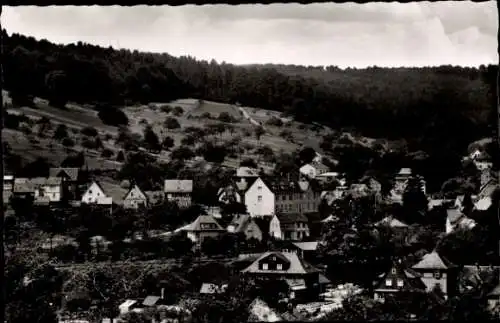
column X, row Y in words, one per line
column 243, row 186
column 178, row 186
column 433, row 261
column 135, row 192
column 391, row 222
column 292, row 218
column 410, row 278
column 151, row 300
column 204, row 219
column 69, row 172
column 297, row 266
column 308, row 246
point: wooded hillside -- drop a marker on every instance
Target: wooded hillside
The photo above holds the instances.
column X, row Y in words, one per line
column 451, row 106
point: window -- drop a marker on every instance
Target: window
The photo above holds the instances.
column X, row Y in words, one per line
column 264, row 266
column 400, row 283
column 273, row 258
column 393, row 271
column 388, row 282
column 437, row 275
column 259, row 188
column 90, row 191
column 279, row 266
column 259, row 198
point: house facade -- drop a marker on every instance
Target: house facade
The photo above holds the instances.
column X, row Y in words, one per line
column 296, row 197
column 245, row 224
column 70, row 179
column 313, row 169
column 397, row 280
column 436, row 271
column 455, row 220
column 294, row 226
column 301, row 277
column 179, row 191
column 203, row 227
column 259, row 199
column 135, row 198
column 43, row 190
column 96, row 195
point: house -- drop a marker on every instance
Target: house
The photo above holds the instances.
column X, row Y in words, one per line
column 179, row 191
column 229, row 194
column 70, row 177
column 296, row 196
column 257, row 196
column 269, row 226
column 436, row 271
column 8, row 183
column 401, row 180
column 95, row 195
column 245, row 224
column 313, row 169
column 204, row 226
column 455, row 220
column 302, row 278
column 294, row 226
column 398, row 279
column 244, row 171
column 135, row 198
column 42, row 190
column 305, row 249
column 358, row 190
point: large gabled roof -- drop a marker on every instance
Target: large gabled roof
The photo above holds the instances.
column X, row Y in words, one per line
column 411, row 279
column 297, row 266
column 203, row 219
column 70, row 172
column 433, row 261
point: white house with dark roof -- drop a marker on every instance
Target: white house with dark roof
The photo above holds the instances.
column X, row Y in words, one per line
column 95, row 195
column 301, row 277
column 437, row 271
column 179, row 191
column 313, row 169
column 257, row 197
column 135, row 198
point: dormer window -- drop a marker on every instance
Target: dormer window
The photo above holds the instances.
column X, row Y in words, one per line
column 265, row 266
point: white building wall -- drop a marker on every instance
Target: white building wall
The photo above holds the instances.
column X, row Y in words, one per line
column 259, row 199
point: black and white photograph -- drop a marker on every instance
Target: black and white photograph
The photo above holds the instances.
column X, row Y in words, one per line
column 250, row 163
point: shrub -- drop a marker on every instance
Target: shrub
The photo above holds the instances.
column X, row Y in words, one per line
column 112, row 116
column 107, row 153
column 166, row 108
column 89, row 131
column 226, row 117
column 206, row 115
column 178, row 111
column 68, row 142
column 172, row 123
column 273, row 121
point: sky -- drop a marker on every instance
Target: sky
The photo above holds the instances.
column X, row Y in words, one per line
column 346, row 35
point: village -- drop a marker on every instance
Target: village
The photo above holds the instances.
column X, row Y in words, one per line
column 283, row 221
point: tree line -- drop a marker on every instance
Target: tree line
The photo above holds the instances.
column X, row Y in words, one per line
column 447, row 104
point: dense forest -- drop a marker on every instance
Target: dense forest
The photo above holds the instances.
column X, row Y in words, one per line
column 448, row 105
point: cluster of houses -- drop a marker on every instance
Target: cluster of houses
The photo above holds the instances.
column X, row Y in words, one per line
column 283, row 208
